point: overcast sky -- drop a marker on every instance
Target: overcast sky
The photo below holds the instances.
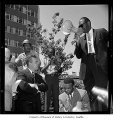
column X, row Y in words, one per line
column 98, row 14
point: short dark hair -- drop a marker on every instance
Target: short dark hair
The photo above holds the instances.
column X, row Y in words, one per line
column 12, row 66
column 53, row 50
column 85, row 19
column 68, row 81
column 28, row 58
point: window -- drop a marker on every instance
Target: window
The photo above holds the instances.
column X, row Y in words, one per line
column 28, row 22
column 20, row 8
column 12, row 17
column 12, row 6
column 25, row 21
column 24, row 33
column 32, row 13
column 11, row 43
column 35, row 14
column 20, row 20
column 6, row 41
column 19, row 45
column 29, row 12
column 11, row 31
column 7, row 5
column 8, row 29
column 17, row 31
column 15, row 18
column 14, row 30
column 21, row 32
column 16, row 7
column 7, row 16
column 24, row 10
column 15, row 43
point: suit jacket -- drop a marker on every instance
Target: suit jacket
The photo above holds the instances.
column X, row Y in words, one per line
column 69, row 104
column 25, row 91
column 100, row 38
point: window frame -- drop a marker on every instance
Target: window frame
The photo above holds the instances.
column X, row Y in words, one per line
column 6, row 14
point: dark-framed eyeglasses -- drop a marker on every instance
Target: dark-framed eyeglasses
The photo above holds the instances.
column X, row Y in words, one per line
column 81, row 25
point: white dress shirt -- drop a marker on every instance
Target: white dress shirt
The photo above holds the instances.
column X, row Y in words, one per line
column 90, row 41
column 51, row 67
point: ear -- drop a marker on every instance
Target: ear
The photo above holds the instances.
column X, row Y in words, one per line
column 11, row 74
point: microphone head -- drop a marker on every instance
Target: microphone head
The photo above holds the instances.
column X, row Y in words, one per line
column 67, row 27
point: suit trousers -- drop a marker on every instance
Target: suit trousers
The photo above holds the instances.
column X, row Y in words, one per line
column 95, row 76
column 53, row 86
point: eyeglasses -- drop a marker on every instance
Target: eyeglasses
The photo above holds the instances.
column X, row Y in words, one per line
column 81, row 25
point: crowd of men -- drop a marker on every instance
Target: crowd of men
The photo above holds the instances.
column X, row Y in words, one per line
column 25, row 72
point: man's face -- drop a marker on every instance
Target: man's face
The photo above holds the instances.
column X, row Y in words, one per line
column 50, row 51
column 27, row 47
column 69, row 88
column 7, row 54
column 35, row 63
column 84, row 25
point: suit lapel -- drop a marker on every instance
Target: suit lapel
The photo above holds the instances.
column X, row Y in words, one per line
column 84, row 44
column 29, row 74
column 94, row 40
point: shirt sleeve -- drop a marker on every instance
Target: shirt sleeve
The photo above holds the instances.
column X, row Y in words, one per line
column 18, row 61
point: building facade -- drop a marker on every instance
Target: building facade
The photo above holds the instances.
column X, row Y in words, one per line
column 16, row 19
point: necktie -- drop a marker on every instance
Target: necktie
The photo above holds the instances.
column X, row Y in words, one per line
column 33, row 73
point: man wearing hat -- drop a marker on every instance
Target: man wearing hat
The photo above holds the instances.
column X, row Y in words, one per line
column 74, row 99
column 21, row 59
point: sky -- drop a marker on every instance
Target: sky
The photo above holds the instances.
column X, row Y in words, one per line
column 98, row 14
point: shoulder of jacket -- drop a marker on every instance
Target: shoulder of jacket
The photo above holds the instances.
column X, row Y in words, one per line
column 100, row 30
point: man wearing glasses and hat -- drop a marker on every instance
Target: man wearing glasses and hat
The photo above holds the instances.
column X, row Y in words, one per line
column 92, row 50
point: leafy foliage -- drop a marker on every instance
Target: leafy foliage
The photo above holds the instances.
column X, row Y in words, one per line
column 48, row 42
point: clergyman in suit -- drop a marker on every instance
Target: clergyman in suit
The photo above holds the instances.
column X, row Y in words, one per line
column 92, row 50
column 28, row 96
column 73, row 99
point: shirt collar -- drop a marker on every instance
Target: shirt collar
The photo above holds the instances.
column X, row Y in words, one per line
column 30, row 70
column 71, row 94
column 91, row 32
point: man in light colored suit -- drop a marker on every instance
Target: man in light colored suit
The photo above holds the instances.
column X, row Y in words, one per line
column 10, row 78
column 73, row 99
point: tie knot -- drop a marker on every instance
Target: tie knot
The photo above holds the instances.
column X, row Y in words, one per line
column 33, row 73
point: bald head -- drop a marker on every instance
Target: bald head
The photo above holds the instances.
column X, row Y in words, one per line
column 7, row 54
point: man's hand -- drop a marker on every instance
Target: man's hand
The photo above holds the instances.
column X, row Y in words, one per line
column 102, row 94
column 33, row 85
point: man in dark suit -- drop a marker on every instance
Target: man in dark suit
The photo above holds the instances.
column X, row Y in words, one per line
column 92, row 50
column 73, row 99
column 28, row 96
